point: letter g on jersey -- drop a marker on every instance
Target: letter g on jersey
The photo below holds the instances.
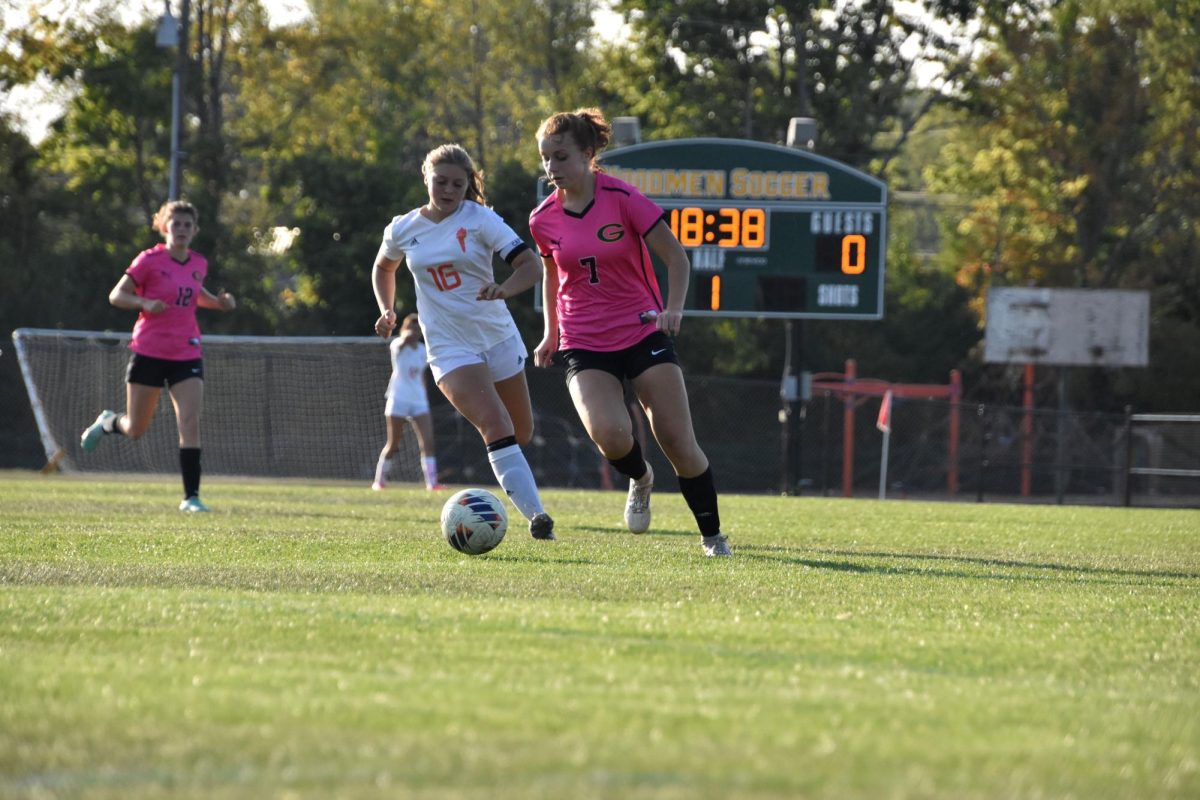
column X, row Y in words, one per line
column 612, row 232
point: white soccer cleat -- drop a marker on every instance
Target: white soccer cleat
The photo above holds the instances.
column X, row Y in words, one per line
column 716, row 545
column 93, row 433
column 637, row 503
column 193, row 505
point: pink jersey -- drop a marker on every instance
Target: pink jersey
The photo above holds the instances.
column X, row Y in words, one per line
column 605, row 278
column 174, row 334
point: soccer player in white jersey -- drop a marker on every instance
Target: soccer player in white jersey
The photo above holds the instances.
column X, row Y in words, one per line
column 474, row 349
column 604, row 315
column 407, row 401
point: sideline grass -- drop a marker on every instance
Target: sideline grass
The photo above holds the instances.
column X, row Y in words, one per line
column 323, row 642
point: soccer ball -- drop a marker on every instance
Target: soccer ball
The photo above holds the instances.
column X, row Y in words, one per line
column 474, row 521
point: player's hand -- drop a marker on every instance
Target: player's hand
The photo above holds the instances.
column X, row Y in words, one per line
column 386, row 323
column 491, row 291
column 669, row 321
column 154, row 306
column 228, row 302
column 543, row 354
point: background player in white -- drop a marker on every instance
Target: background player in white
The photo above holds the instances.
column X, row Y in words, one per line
column 604, row 313
column 165, row 284
column 475, row 351
column 407, row 401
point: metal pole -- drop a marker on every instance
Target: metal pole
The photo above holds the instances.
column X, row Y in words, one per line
column 883, row 467
column 177, row 87
column 1060, row 455
column 984, row 435
column 173, row 191
column 1128, row 455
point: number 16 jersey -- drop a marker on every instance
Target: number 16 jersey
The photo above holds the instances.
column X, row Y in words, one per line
column 449, row 261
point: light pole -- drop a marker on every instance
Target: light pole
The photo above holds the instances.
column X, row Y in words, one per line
column 174, row 33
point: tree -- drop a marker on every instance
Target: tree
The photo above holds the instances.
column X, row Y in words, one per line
column 1078, row 158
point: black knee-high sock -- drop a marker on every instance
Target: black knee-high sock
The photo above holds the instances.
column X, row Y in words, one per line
column 631, row 465
column 189, row 467
column 701, row 497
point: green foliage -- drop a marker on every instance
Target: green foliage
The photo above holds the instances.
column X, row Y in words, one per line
column 1073, row 161
column 1068, row 159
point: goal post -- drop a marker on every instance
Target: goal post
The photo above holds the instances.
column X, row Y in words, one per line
column 274, row 406
column 1162, row 455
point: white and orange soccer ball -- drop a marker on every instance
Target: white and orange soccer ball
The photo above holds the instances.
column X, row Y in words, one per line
column 474, row 521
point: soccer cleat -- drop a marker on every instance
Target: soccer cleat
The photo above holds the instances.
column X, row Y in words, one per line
column 637, row 504
column 716, row 545
column 437, row 487
column 542, row 527
column 378, row 486
column 193, row 505
column 93, row 433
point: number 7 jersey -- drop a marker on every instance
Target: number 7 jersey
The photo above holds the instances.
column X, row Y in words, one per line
column 605, row 277
column 450, row 261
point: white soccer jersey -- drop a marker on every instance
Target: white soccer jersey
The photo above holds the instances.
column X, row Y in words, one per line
column 449, row 261
column 408, row 365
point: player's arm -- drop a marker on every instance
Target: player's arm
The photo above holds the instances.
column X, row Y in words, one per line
column 124, row 295
column 383, row 281
column 221, row 301
column 546, row 349
column 526, row 272
column 664, row 244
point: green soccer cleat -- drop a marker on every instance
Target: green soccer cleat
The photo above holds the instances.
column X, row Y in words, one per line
column 93, row 433
column 193, row 505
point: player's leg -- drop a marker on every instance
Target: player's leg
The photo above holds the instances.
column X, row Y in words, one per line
column 599, row 399
column 188, row 398
column 141, row 401
column 423, row 426
column 383, row 467
column 470, row 390
column 142, row 390
column 514, row 394
column 509, row 462
column 663, row 395
column 473, row 392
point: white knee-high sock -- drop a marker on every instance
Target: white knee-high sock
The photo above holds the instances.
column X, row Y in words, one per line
column 516, row 478
column 429, row 466
column 383, row 469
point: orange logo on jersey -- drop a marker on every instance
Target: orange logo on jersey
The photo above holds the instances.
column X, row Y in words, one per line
column 462, row 238
column 612, row 232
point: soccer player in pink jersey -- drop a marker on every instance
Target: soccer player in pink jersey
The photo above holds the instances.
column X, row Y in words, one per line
column 474, row 349
column 605, row 317
column 165, row 284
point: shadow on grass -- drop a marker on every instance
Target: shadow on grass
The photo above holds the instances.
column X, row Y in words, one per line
column 1002, row 567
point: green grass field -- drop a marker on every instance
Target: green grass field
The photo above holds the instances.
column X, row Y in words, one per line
column 324, row 642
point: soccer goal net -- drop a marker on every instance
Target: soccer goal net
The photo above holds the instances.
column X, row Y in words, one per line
column 278, row 407
column 273, row 406
column 1162, row 457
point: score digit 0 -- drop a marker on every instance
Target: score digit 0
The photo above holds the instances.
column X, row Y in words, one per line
column 854, row 254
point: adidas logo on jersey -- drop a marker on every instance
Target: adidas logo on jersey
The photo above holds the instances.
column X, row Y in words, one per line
column 414, row 242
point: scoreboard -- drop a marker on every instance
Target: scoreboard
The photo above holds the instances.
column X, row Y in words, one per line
column 771, row 231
